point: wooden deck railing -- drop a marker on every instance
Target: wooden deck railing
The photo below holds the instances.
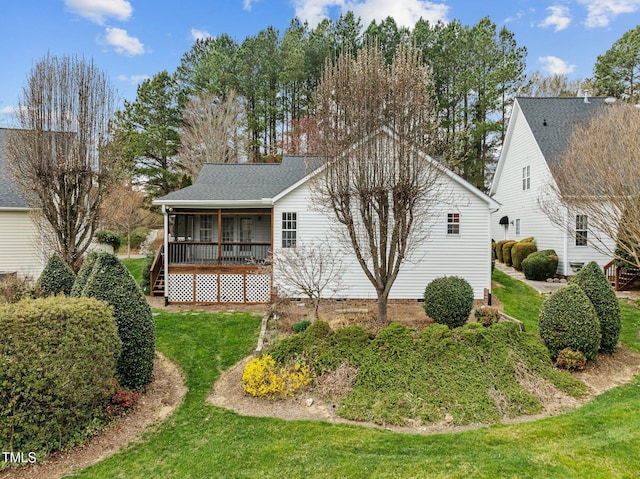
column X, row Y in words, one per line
column 620, row 278
column 231, row 253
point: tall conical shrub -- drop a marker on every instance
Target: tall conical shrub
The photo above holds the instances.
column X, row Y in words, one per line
column 56, row 277
column 595, row 285
column 110, row 281
column 83, row 275
column 568, row 320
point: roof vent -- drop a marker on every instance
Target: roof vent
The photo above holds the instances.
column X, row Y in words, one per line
column 609, row 100
column 586, row 96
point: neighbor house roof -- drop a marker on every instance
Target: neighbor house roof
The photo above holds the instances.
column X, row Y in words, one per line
column 552, row 120
column 10, row 197
column 242, row 182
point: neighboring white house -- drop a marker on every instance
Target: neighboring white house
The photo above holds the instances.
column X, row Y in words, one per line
column 538, row 132
column 21, row 249
column 236, row 214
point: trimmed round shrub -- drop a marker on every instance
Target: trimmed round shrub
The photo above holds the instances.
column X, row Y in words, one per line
column 318, row 330
column 487, row 316
column 109, row 237
column 540, row 265
column 58, row 359
column 56, row 277
column 506, row 252
column 571, row 360
column 594, row 283
column 520, row 251
column 448, row 300
column 568, row 320
column 110, row 281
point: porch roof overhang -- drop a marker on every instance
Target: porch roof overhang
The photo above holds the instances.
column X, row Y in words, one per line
column 214, row 204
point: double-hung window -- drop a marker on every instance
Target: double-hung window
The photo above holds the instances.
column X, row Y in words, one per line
column 289, row 229
column 581, row 230
column 453, row 223
column 526, row 177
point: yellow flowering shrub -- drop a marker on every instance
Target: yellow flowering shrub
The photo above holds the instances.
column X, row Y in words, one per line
column 261, row 378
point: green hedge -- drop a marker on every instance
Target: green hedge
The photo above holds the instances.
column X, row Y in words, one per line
column 499, row 245
column 596, row 286
column 520, row 251
column 448, row 300
column 540, row 265
column 111, row 282
column 56, row 277
column 506, row 252
column 112, row 238
column 58, row 359
column 568, row 320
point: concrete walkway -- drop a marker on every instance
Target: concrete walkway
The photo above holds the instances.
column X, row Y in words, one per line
column 543, row 287
column 540, row 286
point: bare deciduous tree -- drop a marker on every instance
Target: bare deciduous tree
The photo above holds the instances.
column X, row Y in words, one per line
column 599, row 176
column 310, row 269
column 212, row 132
column 56, row 158
column 375, row 123
column 122, row 210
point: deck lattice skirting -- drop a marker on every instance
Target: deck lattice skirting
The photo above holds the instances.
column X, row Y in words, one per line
column 219, row 288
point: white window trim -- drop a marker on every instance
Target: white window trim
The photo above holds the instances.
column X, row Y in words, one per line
column 289, row 225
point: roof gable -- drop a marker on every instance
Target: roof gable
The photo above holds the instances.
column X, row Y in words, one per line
column 10, row 197
column 551, row 121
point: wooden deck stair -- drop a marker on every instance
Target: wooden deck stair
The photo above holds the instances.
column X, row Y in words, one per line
column 620, row 278
column 157, row 276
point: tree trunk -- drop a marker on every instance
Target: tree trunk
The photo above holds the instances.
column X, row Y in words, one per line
column 383, row 297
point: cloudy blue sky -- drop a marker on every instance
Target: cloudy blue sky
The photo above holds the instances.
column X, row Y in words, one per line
column 134, row 39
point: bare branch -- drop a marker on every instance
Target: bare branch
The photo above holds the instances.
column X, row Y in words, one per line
column 56, row 158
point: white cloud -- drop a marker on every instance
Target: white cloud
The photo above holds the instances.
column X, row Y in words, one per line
column 120, row 40
column 555, row 66
column 601, row 12
column 8, row 110
column 199, row 34
column 133, row 79
column 559, row 18
column 404, row 12
column 247, row 4
column 98, row 10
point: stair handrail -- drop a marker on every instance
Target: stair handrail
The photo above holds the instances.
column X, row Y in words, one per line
column 612, row 272
column 156, row 268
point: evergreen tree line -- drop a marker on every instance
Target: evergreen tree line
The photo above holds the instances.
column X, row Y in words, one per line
column 477, row 72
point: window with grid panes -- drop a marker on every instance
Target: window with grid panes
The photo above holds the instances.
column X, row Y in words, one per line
column 453, row 223
column 289, row 227
column 581, row 230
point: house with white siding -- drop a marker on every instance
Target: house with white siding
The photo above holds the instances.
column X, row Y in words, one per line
column 538, row 133
column 235, row 216
column 21, row 247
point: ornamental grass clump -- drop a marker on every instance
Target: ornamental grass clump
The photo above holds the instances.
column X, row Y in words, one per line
column 594, row 283
column 262, row 378
column 568, row 320
column 448, row 300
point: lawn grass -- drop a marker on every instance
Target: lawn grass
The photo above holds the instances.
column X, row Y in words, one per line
column 135, row 265
column 599, row 440
column 519, row 300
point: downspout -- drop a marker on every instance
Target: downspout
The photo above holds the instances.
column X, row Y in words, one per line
column 165, row 258
column 565, row 253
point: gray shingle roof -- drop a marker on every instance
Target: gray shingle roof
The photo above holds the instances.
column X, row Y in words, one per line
column 244, row 181
column 552, row 120
column 10, row 196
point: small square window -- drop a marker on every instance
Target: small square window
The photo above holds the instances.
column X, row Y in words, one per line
column 453, row 223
